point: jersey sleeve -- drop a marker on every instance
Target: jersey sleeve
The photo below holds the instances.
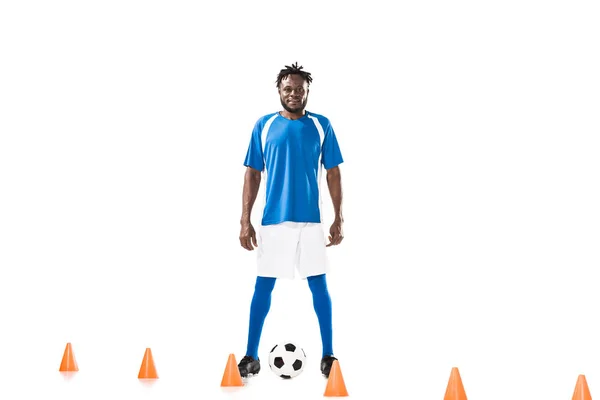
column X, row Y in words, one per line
column 332, row 155
column 254, row 155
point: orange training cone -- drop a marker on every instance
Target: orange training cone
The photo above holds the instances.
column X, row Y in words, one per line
column 231, row 376
column 148, row 369
column 455, row 389
column 582, row 392
column 335, row 383
column 68, row 363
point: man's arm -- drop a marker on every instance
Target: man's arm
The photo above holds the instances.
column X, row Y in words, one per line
column 334, row 182
column 251, row 185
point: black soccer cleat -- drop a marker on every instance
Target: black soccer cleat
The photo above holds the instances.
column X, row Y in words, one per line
column 249, row 366
column 326, row 363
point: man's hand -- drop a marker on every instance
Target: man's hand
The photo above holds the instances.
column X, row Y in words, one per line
column 248, row 236
column 336, row 233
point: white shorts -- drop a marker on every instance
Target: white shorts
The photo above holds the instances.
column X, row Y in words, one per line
column 285, row 247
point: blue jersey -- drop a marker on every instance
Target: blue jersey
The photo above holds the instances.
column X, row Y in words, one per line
column 291, row 155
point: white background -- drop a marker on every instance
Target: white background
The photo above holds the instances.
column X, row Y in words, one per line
column 470, row 134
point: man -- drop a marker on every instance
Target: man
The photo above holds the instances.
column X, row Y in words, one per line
column 290, row 148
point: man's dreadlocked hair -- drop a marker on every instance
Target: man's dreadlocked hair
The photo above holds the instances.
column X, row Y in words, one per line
column 293, row 69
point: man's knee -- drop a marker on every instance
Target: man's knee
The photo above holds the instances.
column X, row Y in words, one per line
column 317, row 282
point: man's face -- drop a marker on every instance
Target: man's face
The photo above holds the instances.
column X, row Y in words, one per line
column 293, row 92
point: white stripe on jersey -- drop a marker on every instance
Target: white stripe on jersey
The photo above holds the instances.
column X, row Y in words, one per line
column 263, row 139
column 320, row 166
column 263, row 134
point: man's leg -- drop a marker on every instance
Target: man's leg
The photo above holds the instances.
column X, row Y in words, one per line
column 323, row 309
column 322, row 304
column 259, row 308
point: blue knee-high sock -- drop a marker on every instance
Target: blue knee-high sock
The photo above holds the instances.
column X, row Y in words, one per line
column 322, row 304
column 259, row 308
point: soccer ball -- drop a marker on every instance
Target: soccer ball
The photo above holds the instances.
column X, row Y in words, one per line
column 287, row 360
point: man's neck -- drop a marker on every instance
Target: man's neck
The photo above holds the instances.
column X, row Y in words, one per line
column 289, row 115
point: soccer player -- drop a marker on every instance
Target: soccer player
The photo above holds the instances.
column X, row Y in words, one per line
column 289, row 150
